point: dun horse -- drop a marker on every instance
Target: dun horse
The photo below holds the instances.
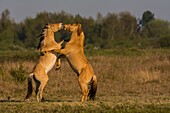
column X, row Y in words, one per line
column 74, row 53
column 46, row 61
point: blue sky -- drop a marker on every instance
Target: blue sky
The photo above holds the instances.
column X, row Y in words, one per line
column 20, row 9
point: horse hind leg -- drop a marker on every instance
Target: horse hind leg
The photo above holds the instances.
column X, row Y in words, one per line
column 40, row 87
column 37, row 86
column 37, row 83
column 85, row 90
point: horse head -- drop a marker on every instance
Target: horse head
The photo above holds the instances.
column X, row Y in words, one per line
column 54, row 27
column 74, row 27
column 47, row 41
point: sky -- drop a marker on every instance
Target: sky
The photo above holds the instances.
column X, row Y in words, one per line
column 20, row 9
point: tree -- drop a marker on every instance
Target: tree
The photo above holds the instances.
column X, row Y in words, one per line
column 8, row 35
column 127, row 24
column 99, row 18
column 110, row 29
column 147, row 17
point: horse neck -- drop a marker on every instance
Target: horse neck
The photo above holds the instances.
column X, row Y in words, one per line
column 49, row 37
column 82, row 39
column 77, row 39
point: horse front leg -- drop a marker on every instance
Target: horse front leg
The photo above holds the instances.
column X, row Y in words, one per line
column 62, row 51
column 59, row 61
column 58, row 64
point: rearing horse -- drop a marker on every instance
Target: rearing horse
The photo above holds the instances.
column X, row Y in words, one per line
column 46, row 61
column 74, row 53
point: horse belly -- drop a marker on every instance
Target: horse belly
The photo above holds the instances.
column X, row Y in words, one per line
column 75, row 65
column 50, row 63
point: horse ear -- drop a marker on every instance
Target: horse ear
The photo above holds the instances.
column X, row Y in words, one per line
column 47, row 24
column 79, row 31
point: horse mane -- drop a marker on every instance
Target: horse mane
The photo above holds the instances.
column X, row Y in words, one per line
column 79, row 32
column 42, row 37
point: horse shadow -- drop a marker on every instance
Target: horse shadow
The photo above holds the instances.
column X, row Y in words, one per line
column 11, row 101
column 46, row 100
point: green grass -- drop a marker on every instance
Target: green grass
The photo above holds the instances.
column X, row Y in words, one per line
column 87, row 107
column 19, row 74
column 19, row 55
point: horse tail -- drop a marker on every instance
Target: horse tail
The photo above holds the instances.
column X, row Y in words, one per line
column 93, row 89
column 30, row 86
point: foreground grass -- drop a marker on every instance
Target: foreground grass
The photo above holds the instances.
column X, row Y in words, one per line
column 116, row 105
column 129, row 81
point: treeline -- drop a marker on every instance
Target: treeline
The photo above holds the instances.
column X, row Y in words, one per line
column 114, row 30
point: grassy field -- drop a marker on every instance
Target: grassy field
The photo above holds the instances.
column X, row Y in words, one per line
column 129, row 81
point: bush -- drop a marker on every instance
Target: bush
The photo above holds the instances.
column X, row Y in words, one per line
column 18, row 74
column 164, row 41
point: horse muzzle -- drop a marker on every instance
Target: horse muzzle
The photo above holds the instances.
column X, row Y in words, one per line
column 62, row 26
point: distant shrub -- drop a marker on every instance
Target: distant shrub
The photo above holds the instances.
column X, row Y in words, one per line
column 19, row 74
column 89, row 46
column 164, row 41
